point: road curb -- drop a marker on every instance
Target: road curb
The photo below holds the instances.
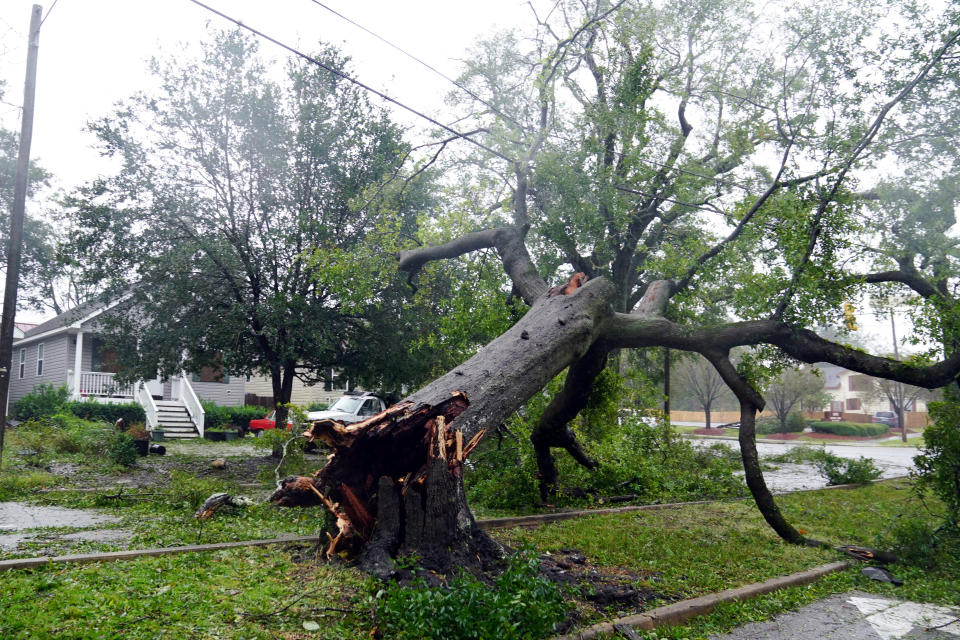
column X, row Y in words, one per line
column 679, row 612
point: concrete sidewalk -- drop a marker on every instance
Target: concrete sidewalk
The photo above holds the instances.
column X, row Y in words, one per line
column 856, row 616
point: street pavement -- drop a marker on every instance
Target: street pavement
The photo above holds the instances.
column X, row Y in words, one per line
column 856, row 616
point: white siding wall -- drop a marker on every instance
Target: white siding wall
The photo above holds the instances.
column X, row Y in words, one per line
column 228, row 394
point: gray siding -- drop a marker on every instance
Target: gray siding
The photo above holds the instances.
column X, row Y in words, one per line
column 56, row 355
column 225, row 394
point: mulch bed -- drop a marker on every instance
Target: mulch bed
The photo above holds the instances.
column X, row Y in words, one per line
column 710, row 432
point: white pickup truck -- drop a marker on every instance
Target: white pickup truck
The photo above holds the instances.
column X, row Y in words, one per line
column 350, row 408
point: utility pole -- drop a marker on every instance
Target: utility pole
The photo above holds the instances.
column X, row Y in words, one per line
column 898, row 389
column 16, row 219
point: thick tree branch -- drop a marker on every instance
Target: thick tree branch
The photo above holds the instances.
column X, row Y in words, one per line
column 508, row 242
column 629, row 330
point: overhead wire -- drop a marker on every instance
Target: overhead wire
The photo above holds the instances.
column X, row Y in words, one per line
column 455, row 83
column 344, row 76
column 47, row 15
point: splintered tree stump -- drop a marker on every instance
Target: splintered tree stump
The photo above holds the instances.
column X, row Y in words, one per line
column 394, row 484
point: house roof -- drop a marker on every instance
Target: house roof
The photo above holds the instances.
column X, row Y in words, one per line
column 70, row 319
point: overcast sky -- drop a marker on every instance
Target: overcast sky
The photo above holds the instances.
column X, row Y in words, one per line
column 94, row 52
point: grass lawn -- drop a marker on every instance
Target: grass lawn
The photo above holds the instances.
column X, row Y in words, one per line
column 286, row 591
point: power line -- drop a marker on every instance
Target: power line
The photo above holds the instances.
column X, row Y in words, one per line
column 457, row 84
column 344, row 76
column 48, row 12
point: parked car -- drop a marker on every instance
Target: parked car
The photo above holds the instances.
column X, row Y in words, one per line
column 348, row 409
column 351, row 408
column 886, row 417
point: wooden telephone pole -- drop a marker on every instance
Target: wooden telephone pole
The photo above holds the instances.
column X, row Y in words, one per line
column 16, row 219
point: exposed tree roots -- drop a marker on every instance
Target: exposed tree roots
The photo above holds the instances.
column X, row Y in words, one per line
column 394, row 484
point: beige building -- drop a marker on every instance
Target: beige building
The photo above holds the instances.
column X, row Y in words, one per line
column 259, row 390
column 855, row 396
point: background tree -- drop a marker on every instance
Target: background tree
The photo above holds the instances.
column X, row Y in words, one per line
column 249, row 224
column 698, row 381
column 792, row 389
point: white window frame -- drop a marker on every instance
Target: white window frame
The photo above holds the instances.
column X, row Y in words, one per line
column 40, row 359
column 23, row 361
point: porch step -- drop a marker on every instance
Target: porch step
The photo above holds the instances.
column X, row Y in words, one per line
column 174, row 420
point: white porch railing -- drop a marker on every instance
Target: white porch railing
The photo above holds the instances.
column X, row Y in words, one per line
column 95, row 383
column 189, row 398
column 149, row 406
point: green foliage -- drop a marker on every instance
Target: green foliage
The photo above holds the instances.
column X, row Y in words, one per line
column 63, row 433
column 767, row 425
column 187, row 491
column 839, row 470
column 649, row 460
column 19, row 484
column 43, row 400
column 90, row 410
column 938, row 465
column 862, row 430
column 122, row 450
column 796, row 455
column 216, row 416
column 520, row 604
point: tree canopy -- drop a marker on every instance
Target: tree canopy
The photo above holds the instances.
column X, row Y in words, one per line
column 249, row 223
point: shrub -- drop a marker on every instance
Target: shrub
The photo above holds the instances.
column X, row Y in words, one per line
column 44, row 400
column 122, row 450
column 316, row 406
column 839, row 470
column 767, row 425
column 796, row 423
column 519, row 605
column 64, row 433
column 648, row 460
column 129, row 412
column 216, row 416
column 938, row 465
column 851, row 429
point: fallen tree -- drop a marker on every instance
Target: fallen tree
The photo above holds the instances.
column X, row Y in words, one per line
column 646, row 260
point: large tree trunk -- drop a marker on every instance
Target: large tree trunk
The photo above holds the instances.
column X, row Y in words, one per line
column 395, row 481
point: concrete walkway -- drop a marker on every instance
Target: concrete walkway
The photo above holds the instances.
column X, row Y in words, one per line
column 856, row 616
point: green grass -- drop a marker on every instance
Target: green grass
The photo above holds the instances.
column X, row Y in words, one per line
column 225, row 594
column 684, row 553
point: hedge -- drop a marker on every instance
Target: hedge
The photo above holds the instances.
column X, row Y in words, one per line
column 216, row 416
column 851, row 428
column 91, row 410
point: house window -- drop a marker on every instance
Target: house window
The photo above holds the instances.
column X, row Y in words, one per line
column 859, row 383
column 23, row 362
column 211, row 374
column 836, row 406
column 40, row 359
column 853, row 404
column 102, row 359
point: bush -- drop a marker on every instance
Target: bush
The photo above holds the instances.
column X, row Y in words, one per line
column 122, row 450
column 650, row 461
column 316, row 406
column 64, row 433
column 851, row 429
column 839, row 470
column 44, row 400
column 768, row 425
column 938, row 465
column 129, row 412
column 520, row 604
column 216, row 417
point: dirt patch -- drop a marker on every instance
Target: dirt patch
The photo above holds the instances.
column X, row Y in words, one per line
column 710, row 432
column 604, row 590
